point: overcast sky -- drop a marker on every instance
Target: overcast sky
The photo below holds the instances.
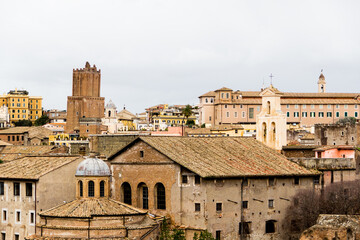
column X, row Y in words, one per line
column 163, row 51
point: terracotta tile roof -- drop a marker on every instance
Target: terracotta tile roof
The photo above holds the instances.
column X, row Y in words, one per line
column 339, row 147
column 126, row 115
column 13, row 152
column 2, row 143
column 39, row 132
column 208, row 94
column 15, row 130
column 224, row 156
column 33, row 167
column 89, row 207
column 223, row 89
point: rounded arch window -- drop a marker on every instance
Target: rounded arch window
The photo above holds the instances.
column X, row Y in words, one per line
column 126, row 193
column 102, row 189
column 91, row 189
column 81, row 188
column 160, row 196
column 143, row 196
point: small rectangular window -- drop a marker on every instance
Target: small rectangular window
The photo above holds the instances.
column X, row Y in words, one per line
column 197, row 179
column 3, row 236
column 1, row 188
column 271, row 181
column 218, row 207
column 337, row 114
column 4, row 215
column 16, row 189
column 287, row 114
column 218, row 235
column 32, row 217
column 296, row 180
column 271, row 203
column 184, row 179
column 251, row 113
column 244, row 228
column 197, row 207
column 18, row 216
column 316, row 180
column 17, row 237
column 28, row 189
column 141, row 154
column 245, row 204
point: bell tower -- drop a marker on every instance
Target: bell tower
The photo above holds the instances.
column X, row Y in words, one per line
column 321, row 83
column 85, row 107
column 271, row 122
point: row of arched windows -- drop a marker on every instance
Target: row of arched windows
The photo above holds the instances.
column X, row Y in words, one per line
column 143, row 195
column 91, row 189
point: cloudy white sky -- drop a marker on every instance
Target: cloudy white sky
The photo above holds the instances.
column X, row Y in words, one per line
column 163, row 51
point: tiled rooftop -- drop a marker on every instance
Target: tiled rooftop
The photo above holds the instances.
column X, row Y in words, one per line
column 9, row 153
column 33, row 167
column 89, row 207
column 224, row 156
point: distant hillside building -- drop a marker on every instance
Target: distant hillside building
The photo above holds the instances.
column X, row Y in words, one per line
column 85, row 107
column 225, row 106
column 21, row 106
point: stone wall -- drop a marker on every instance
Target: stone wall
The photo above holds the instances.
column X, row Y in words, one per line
column 106, row 145
column 337, row 134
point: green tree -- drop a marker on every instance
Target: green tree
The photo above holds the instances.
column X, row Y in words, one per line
column 44, row 119
column 196, row 236
column 22, row 123
column 205, row 235
column 350, row 120
column 203, row 125
column 190, row 122
column 178, row 234
column 187, row 111
column 165, row 230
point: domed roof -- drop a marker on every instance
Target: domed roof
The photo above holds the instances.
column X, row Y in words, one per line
column 92, row 166
column 110, row 104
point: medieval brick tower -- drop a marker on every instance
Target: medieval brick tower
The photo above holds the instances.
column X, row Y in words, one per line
column 85, row 107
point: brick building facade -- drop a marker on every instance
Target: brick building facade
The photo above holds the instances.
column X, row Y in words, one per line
column 85, row 107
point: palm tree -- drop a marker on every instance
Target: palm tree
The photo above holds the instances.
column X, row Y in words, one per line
column 187, row 112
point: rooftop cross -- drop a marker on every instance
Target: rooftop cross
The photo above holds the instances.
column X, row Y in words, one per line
column 271, row 77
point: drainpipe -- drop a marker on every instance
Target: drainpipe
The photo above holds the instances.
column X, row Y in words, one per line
column 89, row 229
column 181, row 198
column 242, row 210
column 35, row 209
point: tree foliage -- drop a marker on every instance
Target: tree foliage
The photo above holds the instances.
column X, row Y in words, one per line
column 345, row 120
column 190, row 122
column 178, row 234
column 165, row 230
column 187, row 111
column 44, row 119
column 337, row 198
column 23, row 123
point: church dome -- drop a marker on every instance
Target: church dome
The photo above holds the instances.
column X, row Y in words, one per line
column 110, row 105
column 92, row 166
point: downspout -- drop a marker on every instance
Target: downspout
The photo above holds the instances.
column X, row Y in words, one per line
column 35, row 210
column 181, row 199
column 89, row 229
column 241, row 210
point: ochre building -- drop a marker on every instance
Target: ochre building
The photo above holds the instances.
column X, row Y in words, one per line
column 21, row 106
column 85, row 107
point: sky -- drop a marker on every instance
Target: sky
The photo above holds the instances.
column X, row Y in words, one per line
column 162, row 51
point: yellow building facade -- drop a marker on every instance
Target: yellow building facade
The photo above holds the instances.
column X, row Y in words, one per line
column 21, row 106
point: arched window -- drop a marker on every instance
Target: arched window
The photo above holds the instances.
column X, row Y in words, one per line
column 102, row 189
column 273, row 132
column 109, row 113
column 126, row 193
column 160, row 196
column 143, row 196
column 81, row 188
column 264, row 132
column 268, row 107
column 91, row 189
